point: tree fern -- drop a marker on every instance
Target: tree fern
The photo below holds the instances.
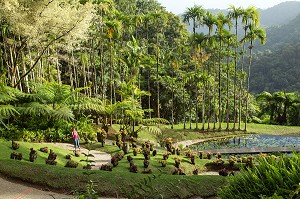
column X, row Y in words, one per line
column 7, row 111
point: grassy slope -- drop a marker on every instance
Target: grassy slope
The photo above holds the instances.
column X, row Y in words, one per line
column 119, row 182
column 5, row 151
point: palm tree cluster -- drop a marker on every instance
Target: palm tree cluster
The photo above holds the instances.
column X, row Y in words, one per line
column 279, row 108
column 131, row 60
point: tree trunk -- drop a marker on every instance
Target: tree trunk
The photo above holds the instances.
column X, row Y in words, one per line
column 248, row 85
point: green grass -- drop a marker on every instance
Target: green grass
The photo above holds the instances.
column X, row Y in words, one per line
column 119, row 182
column 6, row 150
column 273, row 129
column 180, row 134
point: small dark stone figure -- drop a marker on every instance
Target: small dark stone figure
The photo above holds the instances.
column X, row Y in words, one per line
column 51, row 158
column 106, row 167
column 14, row 145
column 154, row 152
column 52, row 155
column 16, row 156
column 32, row 155
column 129, row 158
column 133, row 169
column 223, row 172
column 44, row 149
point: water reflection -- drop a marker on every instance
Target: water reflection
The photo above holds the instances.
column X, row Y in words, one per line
column 249, row 141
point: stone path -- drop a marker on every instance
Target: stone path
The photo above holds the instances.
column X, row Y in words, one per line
column 13, row 189
column 99, row 157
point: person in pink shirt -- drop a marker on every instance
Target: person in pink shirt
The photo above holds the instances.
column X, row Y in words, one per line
column 76, row 139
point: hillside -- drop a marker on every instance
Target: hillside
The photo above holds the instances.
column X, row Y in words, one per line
column 277, row 15
column 276, row 65
column 280, row 14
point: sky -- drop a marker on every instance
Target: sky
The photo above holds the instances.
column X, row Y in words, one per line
column 179, row 6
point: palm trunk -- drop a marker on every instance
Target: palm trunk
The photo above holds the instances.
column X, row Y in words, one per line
column 219, row 88
column 157, row 81
column 235, row 76
column 228, row 84
column 248, row 85
column 241, row 93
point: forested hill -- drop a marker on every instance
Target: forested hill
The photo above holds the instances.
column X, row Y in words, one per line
column 276, row 65
column 277, row 15
column 280, row 14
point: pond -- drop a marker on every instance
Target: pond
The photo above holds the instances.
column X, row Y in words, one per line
column 249, row 141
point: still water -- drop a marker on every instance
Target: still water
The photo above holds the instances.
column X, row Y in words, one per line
column 249, row 141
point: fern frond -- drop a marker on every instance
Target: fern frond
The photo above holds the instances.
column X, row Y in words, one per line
column 35, row 108
column 153, row 121
column 63, row 113
column 7, row 111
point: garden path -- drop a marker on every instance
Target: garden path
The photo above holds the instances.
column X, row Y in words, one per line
column 15, row 189
column 187, row 143
column 99, row 157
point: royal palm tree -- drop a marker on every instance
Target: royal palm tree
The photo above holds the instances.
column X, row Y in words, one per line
column 253, row 34
column 249, row 15
column 210, row 21
column 113, row 30
column 222, row 21
column 235, row 13
column 194, row 14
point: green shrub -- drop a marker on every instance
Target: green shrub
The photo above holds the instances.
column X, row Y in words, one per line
column 270, row 176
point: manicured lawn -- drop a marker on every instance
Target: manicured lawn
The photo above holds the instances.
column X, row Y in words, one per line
column 5, row 151
column 119, row 182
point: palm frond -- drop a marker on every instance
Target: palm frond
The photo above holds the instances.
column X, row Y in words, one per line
column 154, row 121
column 35, row 108
column 7, row 111
column 63, row 113
column 87, row 104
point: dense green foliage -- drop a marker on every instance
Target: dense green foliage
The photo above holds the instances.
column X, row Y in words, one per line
column 271, row 176
column 132, row 59
column 276, row 65
column 279, row 108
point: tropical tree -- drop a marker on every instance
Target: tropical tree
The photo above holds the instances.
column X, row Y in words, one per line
column 235, row 13
column 253, row 34
column 222, row 21
column 194, row 14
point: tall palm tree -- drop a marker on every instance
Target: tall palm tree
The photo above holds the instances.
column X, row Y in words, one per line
column 194, row 14
column 113, row 30
column 160, row 19
column 210, row 21
column 253, row 34
column 222, row 21
column 249, row 15
column 235, row 13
